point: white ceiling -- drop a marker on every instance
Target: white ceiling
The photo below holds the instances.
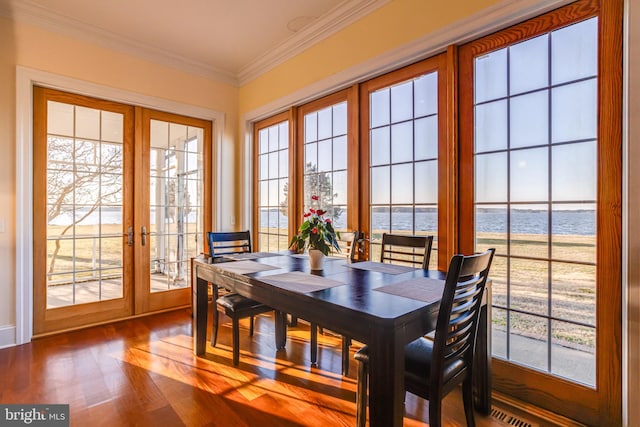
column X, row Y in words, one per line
column 234, row 40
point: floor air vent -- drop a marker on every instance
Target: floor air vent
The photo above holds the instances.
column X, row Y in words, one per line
column 510, row 419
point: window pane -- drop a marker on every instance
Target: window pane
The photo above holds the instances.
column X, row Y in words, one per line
column 274, row 138
column 530, row 231
column 426, row 182
column 311, row 127
column 340, row 153
column 573, row 352
column 380, row 185
column 283, row 163
column 340, row 119
column 491, row 76
column 402, row 142
column 491, row 126
column 263, row 140
column 529, row 64
column 530, row 119
column 574, row 51
column 283, row 135
column 528, row 340
column 574, row 232
column 324, row 156
column 87, row 123
column 60, row 118
column 491, row 230
column 529, row 175
column 273, row 165
column 574, row 111
column 325, row 126
column 311, row 156
column 426, row 138
column 574, row 171
column 491, row 178
column 402, row 102
column 380, row 146
column 401, row 183
column 380, row 108
column 426, row 95
column 340, row 188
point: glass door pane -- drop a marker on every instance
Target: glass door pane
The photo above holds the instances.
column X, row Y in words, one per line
column 325, row 162
column 403, row 139
column 175, row 202
column 84, row 205
column 273, row 187
column 535, row 115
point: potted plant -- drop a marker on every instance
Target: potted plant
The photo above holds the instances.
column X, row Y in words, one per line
column 316, row 232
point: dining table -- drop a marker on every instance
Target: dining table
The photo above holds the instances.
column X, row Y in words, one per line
column 384, row 306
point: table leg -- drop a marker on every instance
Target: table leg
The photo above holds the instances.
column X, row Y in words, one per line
column 281, row 329
column 200, row 309
column 482, row 371
column 386, row 381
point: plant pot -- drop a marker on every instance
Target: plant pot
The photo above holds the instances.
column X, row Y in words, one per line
column 316, row 259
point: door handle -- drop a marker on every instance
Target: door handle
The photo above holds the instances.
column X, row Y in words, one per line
column 143, row 234
column 129, row 236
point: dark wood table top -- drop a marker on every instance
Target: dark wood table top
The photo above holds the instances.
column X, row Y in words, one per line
column 360, row 300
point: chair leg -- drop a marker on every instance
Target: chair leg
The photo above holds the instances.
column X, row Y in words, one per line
column 251, row 326
column 314, row 343
column 467, row 399
column 293, row 321
column 346, row 342
column 435, row 411
column 214, row 325
column 236, row 341
column 361, row 394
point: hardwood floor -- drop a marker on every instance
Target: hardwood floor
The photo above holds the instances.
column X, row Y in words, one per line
column 143, row 372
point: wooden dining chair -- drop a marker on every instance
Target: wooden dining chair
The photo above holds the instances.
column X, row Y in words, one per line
column 434, row 368
column 400, row 248
column 234, row 305
column 353, row 242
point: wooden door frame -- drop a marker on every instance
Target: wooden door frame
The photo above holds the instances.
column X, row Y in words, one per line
column 145, row 300
column 443, row 63
column 602, row 404
column 73, row 316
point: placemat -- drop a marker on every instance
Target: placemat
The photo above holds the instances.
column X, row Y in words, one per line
column 244, row 267
column 297, row 281
column 250, row 255
column 421, row 289
column 381, row 267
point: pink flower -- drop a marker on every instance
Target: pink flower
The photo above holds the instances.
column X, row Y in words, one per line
column 315, row 230
column 314, row 197
column 328, row 220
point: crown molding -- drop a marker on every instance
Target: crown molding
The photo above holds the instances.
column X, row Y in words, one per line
column 30, row 13
column 336, row 19
column 328, row 24
column 487, row 21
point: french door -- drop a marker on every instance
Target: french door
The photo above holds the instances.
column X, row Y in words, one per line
column 119, row 209
column 541, row 182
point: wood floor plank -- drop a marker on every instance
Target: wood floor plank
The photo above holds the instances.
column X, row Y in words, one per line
column 143, row 372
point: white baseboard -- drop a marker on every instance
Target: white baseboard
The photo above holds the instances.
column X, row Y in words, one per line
column 7, row 336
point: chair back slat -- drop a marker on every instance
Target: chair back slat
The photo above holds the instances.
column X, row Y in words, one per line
column 228, row 242
column 403, row 249
column 351, row 245
column 457, row 323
